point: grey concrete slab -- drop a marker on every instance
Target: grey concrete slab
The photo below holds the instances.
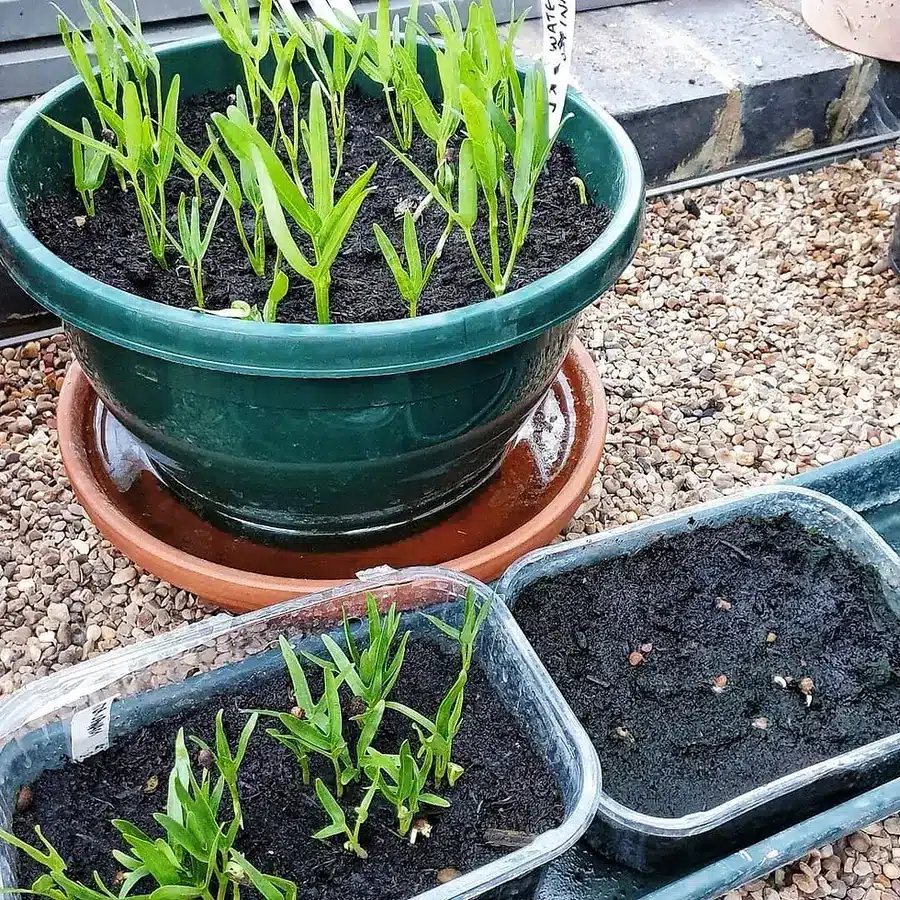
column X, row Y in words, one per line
column 625, row 68
column 702, row 85
column 752, row 41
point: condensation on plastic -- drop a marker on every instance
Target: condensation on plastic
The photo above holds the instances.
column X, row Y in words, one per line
column 160, row 675
column 660, row 844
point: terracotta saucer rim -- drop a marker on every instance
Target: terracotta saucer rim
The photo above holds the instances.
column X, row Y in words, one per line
column 240, row 590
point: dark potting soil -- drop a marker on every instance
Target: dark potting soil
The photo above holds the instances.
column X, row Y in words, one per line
column 112, row 247
column 504, row 786
column 728, row 608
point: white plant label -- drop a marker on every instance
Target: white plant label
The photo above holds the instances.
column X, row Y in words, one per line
column 375, row 572
column 559, row 37
column 90, row 730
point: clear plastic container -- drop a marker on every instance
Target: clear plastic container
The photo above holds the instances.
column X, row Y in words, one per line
column 668, row 845
column 175, row 672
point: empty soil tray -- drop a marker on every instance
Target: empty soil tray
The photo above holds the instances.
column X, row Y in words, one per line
column 737, row 666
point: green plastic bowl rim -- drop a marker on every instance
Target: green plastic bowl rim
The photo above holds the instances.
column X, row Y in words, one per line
column 312, row 350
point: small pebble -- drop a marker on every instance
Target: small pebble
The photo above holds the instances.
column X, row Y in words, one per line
column 24, row 799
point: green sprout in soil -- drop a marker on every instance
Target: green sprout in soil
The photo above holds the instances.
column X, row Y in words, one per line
column 474, row 614
column 316, row 727
column 412, row 277
column 436, row 736
column 339, row 824
column 237, row 192
column 251, row 44
column 89, row 166
column 334, row 73
column 401, row 781
column 313, row 727
column 325, row 219
column 196, row 859
column 192, row 243
column 370, row 673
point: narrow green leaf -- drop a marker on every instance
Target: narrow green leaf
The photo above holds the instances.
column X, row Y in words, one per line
column 329, row 804
column 411, row 248
column 328, row 831
column 467, row 186
column 319, row 152
column 169, row 129
column 132, row 119
column 176, row 892
column 383, row 41
column 335, row 227
column 478, row 127
column 278, row 227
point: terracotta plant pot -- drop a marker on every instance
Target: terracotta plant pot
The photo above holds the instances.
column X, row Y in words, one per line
column 869, row 27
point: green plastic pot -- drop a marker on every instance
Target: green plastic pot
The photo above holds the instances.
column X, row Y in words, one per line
column 310, row 431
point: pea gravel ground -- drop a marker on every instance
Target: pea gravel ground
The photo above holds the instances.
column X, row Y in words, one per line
column 756, row 335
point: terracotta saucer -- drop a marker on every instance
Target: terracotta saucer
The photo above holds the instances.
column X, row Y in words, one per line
column 539, row 486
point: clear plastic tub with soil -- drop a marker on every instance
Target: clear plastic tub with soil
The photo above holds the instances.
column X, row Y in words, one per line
column 528, row 789
column 735, row 664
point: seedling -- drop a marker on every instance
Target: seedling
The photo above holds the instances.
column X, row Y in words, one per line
column 474, row 614
column 195, row 860
column 251, row 45
column 412, row 278
column 89, row 166
column 377, row 60
column 339, row 824
column 320, row 727
column 334, row 73
column 235, row 193
column 436, row 737
column 579, row 186
column 326, row 221
column 482, row 170
column 370, row 673
column 192, row 243
column 146, row 157
column 402, row 783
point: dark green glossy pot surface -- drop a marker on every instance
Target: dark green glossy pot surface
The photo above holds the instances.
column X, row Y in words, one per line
column 309, row 431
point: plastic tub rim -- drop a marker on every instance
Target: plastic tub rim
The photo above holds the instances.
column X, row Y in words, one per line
column 46, row 694
column 372, row 348
column 698, row 822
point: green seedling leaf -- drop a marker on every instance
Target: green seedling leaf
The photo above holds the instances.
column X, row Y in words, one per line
column 277, row 291
column 479, row 128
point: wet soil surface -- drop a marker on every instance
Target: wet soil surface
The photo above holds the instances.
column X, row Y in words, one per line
column 112, row 246
column 685, row 662
column 505, row 786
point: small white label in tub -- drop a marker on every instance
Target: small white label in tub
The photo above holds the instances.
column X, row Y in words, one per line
column 90, row 730
column 559, row 35
column 375, row 572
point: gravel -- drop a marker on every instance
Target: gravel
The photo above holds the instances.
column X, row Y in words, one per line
column 755, row 335
column 65, row 593
column 863, row 866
